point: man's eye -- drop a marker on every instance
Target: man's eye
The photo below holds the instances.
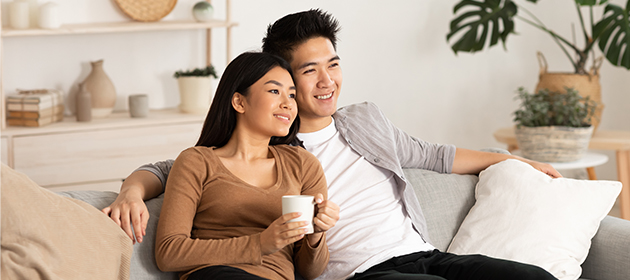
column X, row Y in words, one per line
column 309, row 71
column 334, row 65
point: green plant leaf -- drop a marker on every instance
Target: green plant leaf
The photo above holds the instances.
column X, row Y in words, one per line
column 613, row 32
column 481, row 14
column 590, row 2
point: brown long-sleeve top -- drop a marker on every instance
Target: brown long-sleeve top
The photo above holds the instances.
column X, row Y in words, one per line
column 211, row 217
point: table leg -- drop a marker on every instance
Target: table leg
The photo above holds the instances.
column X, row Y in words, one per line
column 591, row 173
column 623, row 173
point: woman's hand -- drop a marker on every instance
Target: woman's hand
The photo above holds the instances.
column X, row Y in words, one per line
column 280, row 233
column 327, row 214
column 127, row 209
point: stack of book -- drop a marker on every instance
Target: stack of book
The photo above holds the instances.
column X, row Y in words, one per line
column 35, row 107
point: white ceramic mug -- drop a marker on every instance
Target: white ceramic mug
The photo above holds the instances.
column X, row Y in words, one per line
column 304, row 204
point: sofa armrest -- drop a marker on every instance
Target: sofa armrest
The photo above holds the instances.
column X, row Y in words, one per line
column 609, row 255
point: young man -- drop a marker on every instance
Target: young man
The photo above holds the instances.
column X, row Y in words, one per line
column 363, row 155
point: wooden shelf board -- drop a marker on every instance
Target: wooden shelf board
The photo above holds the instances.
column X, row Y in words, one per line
column 116, row 27
column 114, row 121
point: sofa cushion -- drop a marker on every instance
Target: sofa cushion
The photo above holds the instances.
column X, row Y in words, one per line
column 143, row 265
column 522, row 214
column 445, row 200
column 46, row 236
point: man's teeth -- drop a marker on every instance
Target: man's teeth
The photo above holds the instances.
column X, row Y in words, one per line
column 282, row 117
column 324, row 96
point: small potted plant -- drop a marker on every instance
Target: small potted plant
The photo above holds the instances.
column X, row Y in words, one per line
column 195, row 89
column 554, row 126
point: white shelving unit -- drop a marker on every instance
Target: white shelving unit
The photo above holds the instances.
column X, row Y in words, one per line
column 99, row 154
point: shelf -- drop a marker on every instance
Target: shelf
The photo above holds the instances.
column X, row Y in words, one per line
column 114, row 121
column 116, row 27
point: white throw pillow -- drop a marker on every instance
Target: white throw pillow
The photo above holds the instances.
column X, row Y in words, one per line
column 524, row 215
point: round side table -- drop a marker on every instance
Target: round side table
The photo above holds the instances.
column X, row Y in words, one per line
column 589, row 161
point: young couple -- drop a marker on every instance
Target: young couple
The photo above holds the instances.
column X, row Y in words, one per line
column 220, row 212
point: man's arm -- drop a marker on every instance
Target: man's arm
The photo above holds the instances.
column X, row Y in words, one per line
column 129, row 208
column 473, row 162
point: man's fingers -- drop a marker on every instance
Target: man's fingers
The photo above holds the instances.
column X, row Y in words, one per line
column 145, row 220
column 137, row 223
column 125, row 224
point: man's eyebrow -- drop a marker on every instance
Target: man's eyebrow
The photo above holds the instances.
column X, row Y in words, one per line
column 307, row 64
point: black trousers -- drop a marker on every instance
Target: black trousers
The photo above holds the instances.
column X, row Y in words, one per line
column 220, row 272
column 438, row 265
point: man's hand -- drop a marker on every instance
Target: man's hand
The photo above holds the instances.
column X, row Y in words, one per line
column 128, row 209
column 544, row 168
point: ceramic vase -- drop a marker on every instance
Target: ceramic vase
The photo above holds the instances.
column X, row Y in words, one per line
column 84, row 104
column 195, row 94
column 102, row 90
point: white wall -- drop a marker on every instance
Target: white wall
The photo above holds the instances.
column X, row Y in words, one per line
column 394, row 53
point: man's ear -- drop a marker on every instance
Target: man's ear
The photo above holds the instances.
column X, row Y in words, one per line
column 238, row 102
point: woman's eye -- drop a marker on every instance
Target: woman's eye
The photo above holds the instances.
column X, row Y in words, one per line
column 292, row 95
column 274, row 91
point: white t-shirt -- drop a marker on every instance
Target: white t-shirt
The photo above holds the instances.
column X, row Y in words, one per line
column 373, row 225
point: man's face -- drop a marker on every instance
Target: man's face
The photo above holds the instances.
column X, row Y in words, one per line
column 318, row 78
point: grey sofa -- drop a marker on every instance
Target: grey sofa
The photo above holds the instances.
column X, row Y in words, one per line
column 445, row 198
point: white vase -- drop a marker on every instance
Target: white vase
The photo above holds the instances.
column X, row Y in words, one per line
column 49, row 16
column 195, row 94
column 19, row 14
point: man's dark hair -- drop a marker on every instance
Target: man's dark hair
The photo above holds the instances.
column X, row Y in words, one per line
column 284, row 35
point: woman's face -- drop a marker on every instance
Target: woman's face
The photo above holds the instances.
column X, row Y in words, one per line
column 270, row 108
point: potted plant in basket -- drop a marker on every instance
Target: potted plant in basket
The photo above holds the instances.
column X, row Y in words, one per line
column 554, row 126
column 479, row 18
column 195, row 89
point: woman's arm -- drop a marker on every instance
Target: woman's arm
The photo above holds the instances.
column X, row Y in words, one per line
column 176, row 250
column 311, row 254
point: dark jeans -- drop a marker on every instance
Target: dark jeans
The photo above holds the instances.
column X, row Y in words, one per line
column 219, row 272
column 438, row 265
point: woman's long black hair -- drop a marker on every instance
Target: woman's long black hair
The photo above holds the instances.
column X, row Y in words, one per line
column 239, row 76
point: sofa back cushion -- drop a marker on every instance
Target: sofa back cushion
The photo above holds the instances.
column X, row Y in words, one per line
column 445, row 200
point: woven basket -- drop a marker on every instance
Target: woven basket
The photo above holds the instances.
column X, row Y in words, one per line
column 586, row 85
column 553, row 143
column 146, row 10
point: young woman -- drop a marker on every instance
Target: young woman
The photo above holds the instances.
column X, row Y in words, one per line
column 222, row 212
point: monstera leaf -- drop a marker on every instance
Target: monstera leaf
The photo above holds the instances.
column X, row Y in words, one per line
column 613, row 32
column 482, row 13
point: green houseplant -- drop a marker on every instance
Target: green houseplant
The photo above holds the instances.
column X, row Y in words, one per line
column 554, row 126
column 195, row 89
column 480, row 18
column 486, row 22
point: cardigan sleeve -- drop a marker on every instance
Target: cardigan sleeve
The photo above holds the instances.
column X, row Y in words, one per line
column 175, row 250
